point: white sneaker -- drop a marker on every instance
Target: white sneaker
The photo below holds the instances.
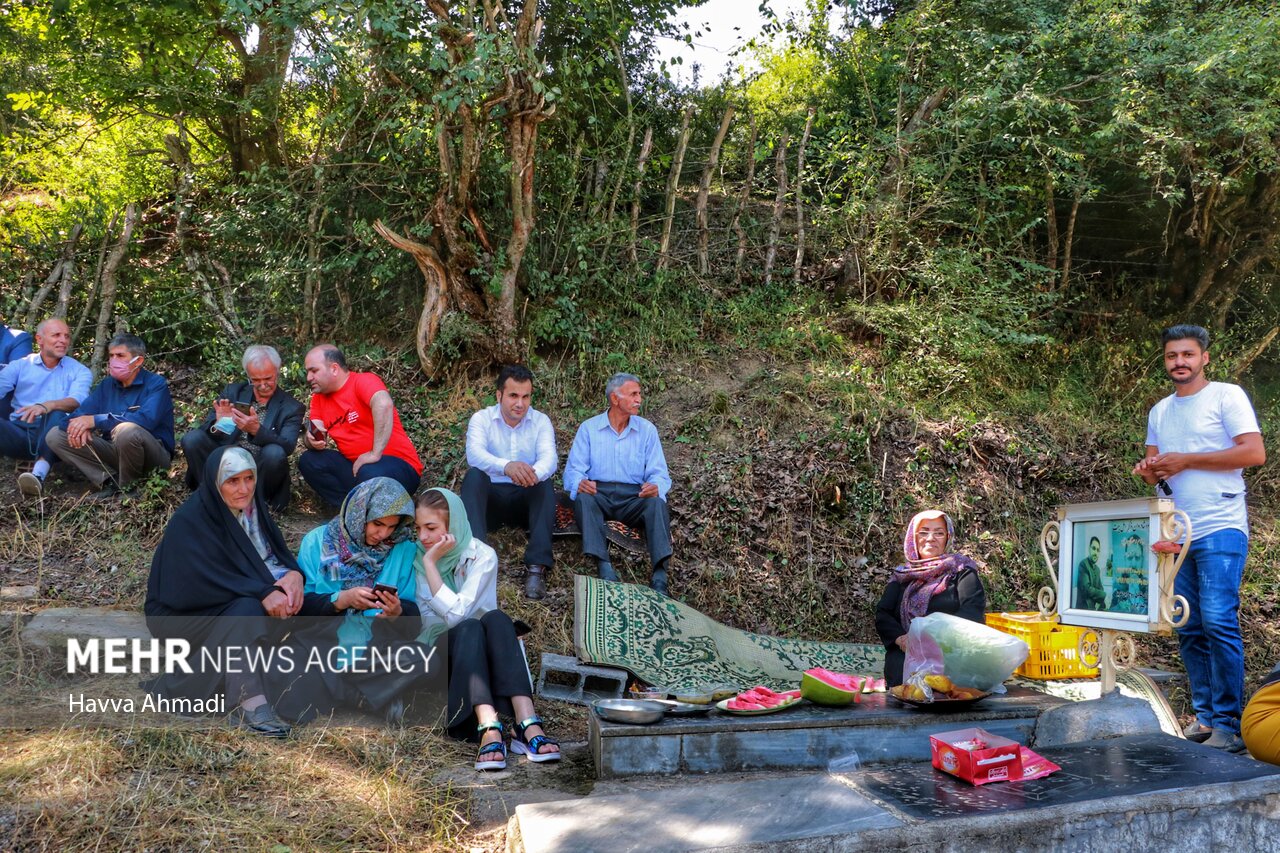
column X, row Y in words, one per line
column 30, row 485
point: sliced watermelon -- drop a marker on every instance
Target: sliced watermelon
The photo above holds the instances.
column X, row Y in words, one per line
column 824, row 687
column 739, row 705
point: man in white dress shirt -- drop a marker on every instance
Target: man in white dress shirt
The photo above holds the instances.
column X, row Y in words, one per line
column 511, row 451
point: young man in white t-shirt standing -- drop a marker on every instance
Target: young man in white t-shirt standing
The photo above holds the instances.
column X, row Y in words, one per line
column 1199, row 441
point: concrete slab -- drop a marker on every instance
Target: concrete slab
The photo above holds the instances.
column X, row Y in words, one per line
column 1131, row 766
column 700, row 816
column 1139, row 794
column 805, row 737
column 50, row 628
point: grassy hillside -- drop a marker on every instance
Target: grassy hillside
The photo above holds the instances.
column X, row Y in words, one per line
column 800, row 441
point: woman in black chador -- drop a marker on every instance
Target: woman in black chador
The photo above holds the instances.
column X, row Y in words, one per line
column 224, row 580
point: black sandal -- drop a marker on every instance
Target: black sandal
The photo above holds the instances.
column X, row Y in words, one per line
column 530, row 746
column 492, row 756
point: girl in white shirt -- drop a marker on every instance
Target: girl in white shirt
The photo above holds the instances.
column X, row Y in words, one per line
column 457, row 590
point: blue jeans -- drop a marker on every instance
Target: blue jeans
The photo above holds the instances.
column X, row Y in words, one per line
column 1212, row 650
column 19, row 440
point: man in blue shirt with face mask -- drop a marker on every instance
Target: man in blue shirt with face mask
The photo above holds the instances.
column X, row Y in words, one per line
column 124, row 428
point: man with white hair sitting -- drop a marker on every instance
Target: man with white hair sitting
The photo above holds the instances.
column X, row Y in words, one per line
column 617, row 470
column 257, row 415
column 46, row 385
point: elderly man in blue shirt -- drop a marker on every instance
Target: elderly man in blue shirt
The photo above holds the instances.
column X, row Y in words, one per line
column 124, row 428
column 45, row 385
column 616, row 470
column 511, row 451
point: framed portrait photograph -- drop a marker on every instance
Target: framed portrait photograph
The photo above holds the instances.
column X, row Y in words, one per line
column 1107, row 572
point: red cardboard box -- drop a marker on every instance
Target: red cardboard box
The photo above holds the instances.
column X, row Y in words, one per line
column 976, row 756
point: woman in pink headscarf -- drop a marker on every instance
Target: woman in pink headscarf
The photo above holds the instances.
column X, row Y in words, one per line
column 934, row 579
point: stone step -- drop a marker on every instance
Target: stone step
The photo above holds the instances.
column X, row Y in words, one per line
column 806, row 737
column 1140, row 793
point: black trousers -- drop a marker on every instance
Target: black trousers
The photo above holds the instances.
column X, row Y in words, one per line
column 622, row 501
column 329, row 473
column 486, row 667
column 238, row 650
column 493, row 505
column 273, row 465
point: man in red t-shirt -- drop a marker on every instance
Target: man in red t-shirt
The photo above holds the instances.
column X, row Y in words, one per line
column 355, row 412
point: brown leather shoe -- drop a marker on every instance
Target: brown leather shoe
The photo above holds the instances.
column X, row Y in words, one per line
column 535, row 586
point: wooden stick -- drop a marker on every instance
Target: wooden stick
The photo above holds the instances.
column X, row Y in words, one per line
column 775, row 226
column 673, row 185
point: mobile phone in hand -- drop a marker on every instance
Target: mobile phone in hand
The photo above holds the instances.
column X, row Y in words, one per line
column 384, row 588
column 243, row 408
column 316, row 430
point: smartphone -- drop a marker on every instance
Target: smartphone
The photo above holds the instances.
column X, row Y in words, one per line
column 389, row 590
column 243, row 408
column 316, row 430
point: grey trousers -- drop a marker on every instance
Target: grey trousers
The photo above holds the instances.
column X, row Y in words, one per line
column 622, row 501
column 126, row 456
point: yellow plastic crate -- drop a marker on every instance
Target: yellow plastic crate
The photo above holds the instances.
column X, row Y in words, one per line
column 1054, row 647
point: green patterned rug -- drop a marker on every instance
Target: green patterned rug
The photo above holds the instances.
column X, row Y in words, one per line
column 676, row 648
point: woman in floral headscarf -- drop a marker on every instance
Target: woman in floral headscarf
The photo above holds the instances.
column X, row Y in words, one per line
column 934, row 579
column 363, row 562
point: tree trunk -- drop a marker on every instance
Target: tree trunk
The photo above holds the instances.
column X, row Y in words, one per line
column 63, row 270
column 631, row 132
column 109, row 272
column 673, row 187
column 311, row 282
column 804, row 142
column 1051, row 223
column 435, row 299
column 1068, row 240
column 456, row 261
column 704, row 189
column 646, row 148
column 1243, row 364
column 197, row 262
column 251, row 127
column 96, row 282
column 743, row 200
column 775, row 224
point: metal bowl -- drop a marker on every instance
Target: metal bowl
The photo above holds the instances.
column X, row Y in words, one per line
column 633, row 711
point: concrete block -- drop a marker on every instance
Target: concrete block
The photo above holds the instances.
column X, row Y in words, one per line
column 807, row 737
column 1113, row 715
column 11, row 618
column 49, row 629
column 565, row 678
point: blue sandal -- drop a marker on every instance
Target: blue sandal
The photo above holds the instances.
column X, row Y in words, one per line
column 530, row 746
column 492, row 756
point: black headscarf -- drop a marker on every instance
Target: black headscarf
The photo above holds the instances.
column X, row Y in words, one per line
column 205, row 558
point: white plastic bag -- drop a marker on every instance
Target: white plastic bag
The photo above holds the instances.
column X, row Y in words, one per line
column 972, row 655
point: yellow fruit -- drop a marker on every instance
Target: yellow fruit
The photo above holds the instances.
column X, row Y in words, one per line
column 915, row 694
column 939, row 682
